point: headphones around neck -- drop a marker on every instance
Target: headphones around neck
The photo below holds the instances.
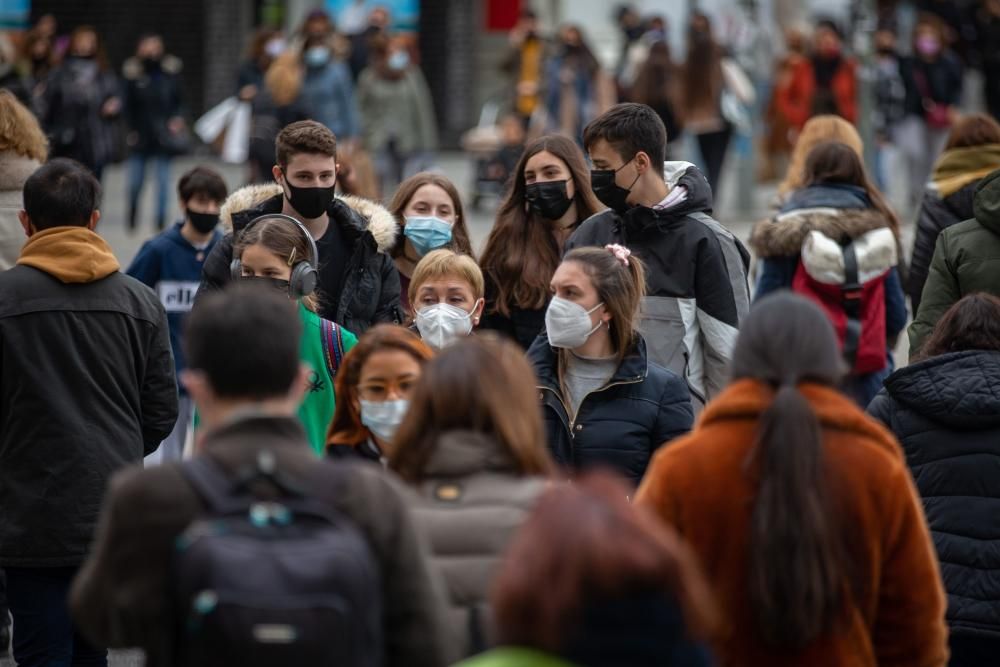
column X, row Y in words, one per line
column 304, row 276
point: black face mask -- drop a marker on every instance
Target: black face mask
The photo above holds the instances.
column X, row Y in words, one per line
column 271, row 283
column 151, row 64
column 202, row 222
column 612, row 195
column 548, row 200
column 309, row 202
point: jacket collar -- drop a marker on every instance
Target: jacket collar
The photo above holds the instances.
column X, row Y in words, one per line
column 544, row 358
column 640, row 219
column 783, row 236
column 460, row 453
column 827, row 195
column 961, row 389
column 749, row 399
column 353, row 215
column 239, row 439
column 69, row 254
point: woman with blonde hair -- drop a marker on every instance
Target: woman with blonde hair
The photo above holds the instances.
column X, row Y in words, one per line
column 817, row 130
column 23, row 148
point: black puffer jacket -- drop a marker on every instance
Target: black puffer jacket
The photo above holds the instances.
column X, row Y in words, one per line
column 946, row 413
column 370, row 293
column 937, row 213
column 619, row 426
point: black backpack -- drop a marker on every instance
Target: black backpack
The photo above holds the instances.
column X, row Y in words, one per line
column 279, row 581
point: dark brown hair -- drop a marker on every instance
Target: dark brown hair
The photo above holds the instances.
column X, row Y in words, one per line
column 657, row 81
column 702, row 72
column 973, row 323
column 346, row 428
column 482, row 384
column 797, row 567
column 259, row 41
column 285, row 240
column 976, row 129
column 585, row 545
column 836, row 162
column 629, row 128
column 460, row 242
column 304, row 136
column 521, row 253
column 100, row 54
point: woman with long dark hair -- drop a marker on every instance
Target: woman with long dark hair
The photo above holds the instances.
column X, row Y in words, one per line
column 658, row 85
column 703, row 83
column 801, row 509
column 549, row 197
column 945, row 410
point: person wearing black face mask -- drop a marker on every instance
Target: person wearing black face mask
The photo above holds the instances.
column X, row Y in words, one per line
column 153, row 109
column 171, row 265
column 358, row 279
column 696, row 288
column 550, row 197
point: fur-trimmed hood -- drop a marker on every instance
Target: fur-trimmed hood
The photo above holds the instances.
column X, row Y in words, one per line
column 379, row 221
column 133, row 68
column 783, row 235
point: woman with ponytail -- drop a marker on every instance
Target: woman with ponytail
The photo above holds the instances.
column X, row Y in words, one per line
column 802, row 509
column 605, row 404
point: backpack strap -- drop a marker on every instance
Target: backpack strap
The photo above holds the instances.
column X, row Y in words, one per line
column 851, row 293
column 333, row 345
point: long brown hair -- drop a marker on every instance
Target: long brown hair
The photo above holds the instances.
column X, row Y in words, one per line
column 521, row 252
column 583, row 546
column 286, row 241
column 482, row 384
column 346, row 428
column 836, row 162
column 973, row 323
column 702, row 72
column 817, row 130
column 460, row 241
column 19, row 129
column 797, row 565
column 657, row 81
column 100, row 54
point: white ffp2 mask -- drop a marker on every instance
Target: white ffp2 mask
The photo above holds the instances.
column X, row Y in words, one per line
column 568, row 324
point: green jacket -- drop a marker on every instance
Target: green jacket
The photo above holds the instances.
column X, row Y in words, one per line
column 323, row 345
column 966, row 260
column 514, row 657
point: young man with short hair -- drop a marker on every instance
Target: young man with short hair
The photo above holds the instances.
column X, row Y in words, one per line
column 358, row 281
column 171, row 264
column 86, row 387
column 696, row 285
column 246, row 379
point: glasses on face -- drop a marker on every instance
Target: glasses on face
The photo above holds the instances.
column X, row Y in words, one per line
column 385, row 391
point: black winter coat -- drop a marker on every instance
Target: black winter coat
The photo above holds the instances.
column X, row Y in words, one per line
column 946, row 413
column 370, row 281
column 152, row 98
column 522, row 326
column 86, row 387
column 936, row 214
column 619, row 426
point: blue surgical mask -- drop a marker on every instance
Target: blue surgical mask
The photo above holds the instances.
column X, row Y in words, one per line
column 427, row 233
column 317, row 56
column 383, row 417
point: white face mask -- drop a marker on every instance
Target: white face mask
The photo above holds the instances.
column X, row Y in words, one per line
column 383, row 417
column 568, row 324
column 443, row 323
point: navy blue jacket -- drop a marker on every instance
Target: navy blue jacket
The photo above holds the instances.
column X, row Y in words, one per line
column 172, row 267
column 945, row 411
column 619, row 426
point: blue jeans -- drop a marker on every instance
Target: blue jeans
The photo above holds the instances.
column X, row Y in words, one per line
column 137, row 178
column 44, row 635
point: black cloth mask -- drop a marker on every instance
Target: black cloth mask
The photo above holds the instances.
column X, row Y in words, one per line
column 272, row 283
column 548, row 200
column 310, row 203
column 203, row 222
column 612, row 195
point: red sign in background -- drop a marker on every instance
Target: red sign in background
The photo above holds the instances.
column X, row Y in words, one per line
column 502, row 14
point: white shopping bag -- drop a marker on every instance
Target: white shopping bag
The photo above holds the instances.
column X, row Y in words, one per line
column 236, row 145
column 215, row 120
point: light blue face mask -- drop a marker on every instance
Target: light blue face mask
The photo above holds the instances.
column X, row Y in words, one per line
column 399, row 60
column 427, row 233
column 317, row 56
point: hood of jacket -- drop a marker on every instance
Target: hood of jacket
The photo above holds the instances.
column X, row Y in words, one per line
column 461, row 453
column 749, row 399
column 784, row 235
column 986, row 205
column 267, row 198
column 960, row 389
column 544, row 358
column 15, row 170
column 958, row 167
column 823, row 258
column 69, row 254
column 676, row 175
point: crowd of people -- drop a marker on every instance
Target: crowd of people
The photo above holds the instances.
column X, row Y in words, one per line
column 310, row 427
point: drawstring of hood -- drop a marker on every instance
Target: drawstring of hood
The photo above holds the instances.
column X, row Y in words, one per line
column 69, row 254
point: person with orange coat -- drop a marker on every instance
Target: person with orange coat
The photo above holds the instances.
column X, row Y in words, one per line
column 823, row 84
column 802, row 510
